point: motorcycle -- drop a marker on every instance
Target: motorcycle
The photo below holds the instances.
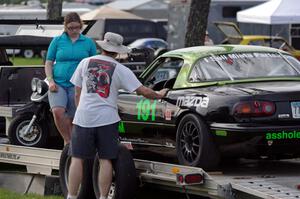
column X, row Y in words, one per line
column 33, row 126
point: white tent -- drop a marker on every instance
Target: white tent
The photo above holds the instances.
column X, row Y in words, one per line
column 108, row 12
column 272, row 12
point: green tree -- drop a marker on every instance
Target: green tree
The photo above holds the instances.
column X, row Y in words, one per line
column 197, row 23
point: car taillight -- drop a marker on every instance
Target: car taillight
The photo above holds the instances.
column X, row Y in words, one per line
column 254, row 109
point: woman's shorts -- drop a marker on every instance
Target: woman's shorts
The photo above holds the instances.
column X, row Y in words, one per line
column 64, row 97
column 87, row 141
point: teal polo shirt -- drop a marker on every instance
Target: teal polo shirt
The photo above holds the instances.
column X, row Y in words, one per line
column 67, row 55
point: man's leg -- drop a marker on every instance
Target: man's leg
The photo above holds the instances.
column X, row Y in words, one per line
column 63, row 123
column 105, row 177
column 75, row 176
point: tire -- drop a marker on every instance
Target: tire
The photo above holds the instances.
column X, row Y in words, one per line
column 37, row 136
column 124, row 183
column 194, row 144
column 28, row 53
column 86, row 186
column 43, row 54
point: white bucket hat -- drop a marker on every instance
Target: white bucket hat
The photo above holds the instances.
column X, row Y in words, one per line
column 113, row 42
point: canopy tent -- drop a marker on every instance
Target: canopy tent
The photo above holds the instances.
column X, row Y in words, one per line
column 272, row 12
column 108, row 12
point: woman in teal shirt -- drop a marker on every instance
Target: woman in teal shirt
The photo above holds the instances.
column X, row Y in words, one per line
column 64, row 54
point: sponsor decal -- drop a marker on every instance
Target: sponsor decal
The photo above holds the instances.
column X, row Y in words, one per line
column 283, row 116
column 146, row 109
column 283, row 135
column 168, row 114
column 121, row 127
column 221, row 133
column 229, row 58
column 191, row 101
column 9, row 156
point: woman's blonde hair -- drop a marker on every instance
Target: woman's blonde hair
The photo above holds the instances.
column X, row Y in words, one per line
column 72, row 17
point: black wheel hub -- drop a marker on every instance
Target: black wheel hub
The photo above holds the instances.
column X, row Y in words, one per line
column 190, row 142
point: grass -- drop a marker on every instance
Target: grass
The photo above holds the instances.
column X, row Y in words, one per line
column 6, row 194
column 17, row 61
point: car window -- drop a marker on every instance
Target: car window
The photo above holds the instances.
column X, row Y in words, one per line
column 167, row 69
column 293, row 61
column 243, row 66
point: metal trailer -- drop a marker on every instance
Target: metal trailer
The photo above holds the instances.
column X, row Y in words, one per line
column 172, row 177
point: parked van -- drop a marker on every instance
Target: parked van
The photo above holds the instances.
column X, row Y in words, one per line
column 130, row 29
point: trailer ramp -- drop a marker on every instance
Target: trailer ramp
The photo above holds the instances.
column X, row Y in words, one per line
column 264, row 189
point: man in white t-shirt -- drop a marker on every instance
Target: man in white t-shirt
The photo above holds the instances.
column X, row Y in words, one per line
column 97, row 80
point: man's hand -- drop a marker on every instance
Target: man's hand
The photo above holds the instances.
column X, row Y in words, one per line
column 151, row 94
column 52, row 86
column 163, row 92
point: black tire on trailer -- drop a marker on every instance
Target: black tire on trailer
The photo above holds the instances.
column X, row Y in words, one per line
column 36, row 137
column 124, row 183
column 194, row 143
column 86, row 187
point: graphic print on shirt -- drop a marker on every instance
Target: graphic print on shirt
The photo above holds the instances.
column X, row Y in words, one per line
column 99, row 77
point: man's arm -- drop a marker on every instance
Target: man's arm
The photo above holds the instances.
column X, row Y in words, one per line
column 77, row 95
column 151, row 94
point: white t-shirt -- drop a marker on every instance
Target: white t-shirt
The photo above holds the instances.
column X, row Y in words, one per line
column 100, row 77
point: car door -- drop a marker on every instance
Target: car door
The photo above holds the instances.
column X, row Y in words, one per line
column 144, row 120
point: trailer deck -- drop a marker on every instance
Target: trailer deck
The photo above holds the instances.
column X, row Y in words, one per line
column 247, row 179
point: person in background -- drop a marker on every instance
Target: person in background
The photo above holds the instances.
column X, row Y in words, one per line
column 64, row 53
column 208, row 41
column 97, row 81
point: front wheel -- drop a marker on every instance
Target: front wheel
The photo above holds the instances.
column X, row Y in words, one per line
column 124, row 183
column 35, row 137
column 194, row 143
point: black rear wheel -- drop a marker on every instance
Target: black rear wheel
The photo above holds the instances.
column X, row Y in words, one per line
column 194, row 143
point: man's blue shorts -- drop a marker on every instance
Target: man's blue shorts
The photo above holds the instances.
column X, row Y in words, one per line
column 85, row 142
column 64, row 97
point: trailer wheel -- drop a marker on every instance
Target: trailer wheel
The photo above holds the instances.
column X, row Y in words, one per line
column 28, row 53
column 36, row 137
column 194, row 143
column 86, row 187
column 124, row 183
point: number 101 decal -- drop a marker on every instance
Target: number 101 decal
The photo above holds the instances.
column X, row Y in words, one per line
column 146, row 109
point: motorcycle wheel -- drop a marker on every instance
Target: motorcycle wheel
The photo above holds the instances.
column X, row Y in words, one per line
column 36, row 137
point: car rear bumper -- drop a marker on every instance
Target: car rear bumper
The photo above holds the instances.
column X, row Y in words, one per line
column 257, row 140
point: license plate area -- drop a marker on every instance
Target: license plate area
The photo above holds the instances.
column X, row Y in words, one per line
column 295, row 109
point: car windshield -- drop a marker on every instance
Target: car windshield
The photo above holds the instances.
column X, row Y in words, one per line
column 244, row 66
